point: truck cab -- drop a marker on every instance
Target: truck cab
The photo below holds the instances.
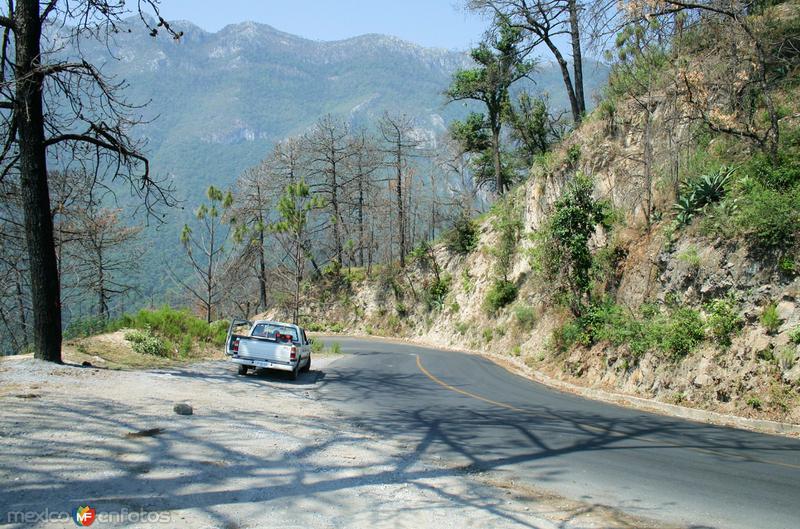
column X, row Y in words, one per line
column 269, row 345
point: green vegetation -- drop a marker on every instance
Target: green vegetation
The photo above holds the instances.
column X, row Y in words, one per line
column 143, row 342
column 84, row 327
column 435, row 292
column 769, row 318
column 754, row 402
column 488, row 335
column 174, row 325
column 696, row 194
column 526, row 316
column 723, row 320
column 508, row 223
column 794, row 336
column 674, row 331
column 463, row 237
column 562, row 247
column 500, row 294
column 690, row 257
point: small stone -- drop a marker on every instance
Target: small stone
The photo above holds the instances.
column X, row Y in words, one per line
column 701, row 380
column 183, row 409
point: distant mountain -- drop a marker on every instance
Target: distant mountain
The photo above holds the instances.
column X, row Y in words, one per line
column 221, row 100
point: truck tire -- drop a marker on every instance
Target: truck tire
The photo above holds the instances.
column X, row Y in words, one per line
column 307, row 367
column 243, row 369
column 293, row 374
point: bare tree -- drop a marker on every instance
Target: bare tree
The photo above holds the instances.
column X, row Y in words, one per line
column 399, row 144
column 365, row 163
column 94, row 122
column 329, row 151
column 105, row 255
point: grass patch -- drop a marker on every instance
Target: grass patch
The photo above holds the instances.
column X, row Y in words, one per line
column 770, row 319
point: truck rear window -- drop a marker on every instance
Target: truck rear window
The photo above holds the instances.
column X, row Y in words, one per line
column 268, row 330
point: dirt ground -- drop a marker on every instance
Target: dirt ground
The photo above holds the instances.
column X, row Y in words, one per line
column 259, row 451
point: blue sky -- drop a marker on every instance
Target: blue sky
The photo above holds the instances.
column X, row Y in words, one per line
column 439, row 23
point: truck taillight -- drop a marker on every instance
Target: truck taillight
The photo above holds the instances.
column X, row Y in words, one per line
column 236, row 345
column 293, row 355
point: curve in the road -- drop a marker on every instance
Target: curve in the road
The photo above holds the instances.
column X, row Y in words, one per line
column 467, row 410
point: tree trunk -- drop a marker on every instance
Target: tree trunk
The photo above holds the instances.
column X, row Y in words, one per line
column 498, row 170
column 102, row 298
column 562, row 64
column 401, row 228
column 577, row 60
column 361, row 221
column 262, row 269
column 45, row 290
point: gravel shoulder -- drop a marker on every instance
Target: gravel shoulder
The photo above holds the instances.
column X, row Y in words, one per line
column 259, row 451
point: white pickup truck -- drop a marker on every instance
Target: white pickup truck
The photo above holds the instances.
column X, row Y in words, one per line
column 270, row 345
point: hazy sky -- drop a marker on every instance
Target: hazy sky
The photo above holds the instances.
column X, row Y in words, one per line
column 439, row 23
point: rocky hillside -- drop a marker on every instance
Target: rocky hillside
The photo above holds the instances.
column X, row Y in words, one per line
column 689, row 301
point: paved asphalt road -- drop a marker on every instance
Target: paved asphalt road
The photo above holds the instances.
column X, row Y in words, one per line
column 466, row 410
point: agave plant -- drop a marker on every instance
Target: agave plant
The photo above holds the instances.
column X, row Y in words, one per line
column 710, row 187
column 686, row 207
column 707, row 189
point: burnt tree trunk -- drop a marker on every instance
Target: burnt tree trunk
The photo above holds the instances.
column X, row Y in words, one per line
column 577, row 60
column 45, row 290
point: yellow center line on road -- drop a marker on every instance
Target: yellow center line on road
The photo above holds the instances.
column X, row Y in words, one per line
column 593, row 428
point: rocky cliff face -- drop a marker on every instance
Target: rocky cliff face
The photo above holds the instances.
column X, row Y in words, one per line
column 756, row 375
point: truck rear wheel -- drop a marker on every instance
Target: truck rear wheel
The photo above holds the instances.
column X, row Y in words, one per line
column 243, row 369
column 307, row 367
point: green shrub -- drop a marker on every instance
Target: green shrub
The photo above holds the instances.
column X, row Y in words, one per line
column 186, row 346
column 787, row 265
column 690, row 257
column 174, row 325
column 501, row 293
column 488, row 334
column 455, row 307
column 780, row 174
column 317, row 346
column 463, row 237
column 526, row 317
column 794, row 336
column 137, row 336
column 436, row 292
column 771, row 218
column 143, row 342
column 516, row 350
column 462, row 327
column 785, row 358
column 562, row 247
column 85, row 327
column 466, row 281
column 723, row 320
column 565, row 336
column 336, row 348
column 683, row 332
column 401, row 310
column 754, row 402
column 770, row 319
